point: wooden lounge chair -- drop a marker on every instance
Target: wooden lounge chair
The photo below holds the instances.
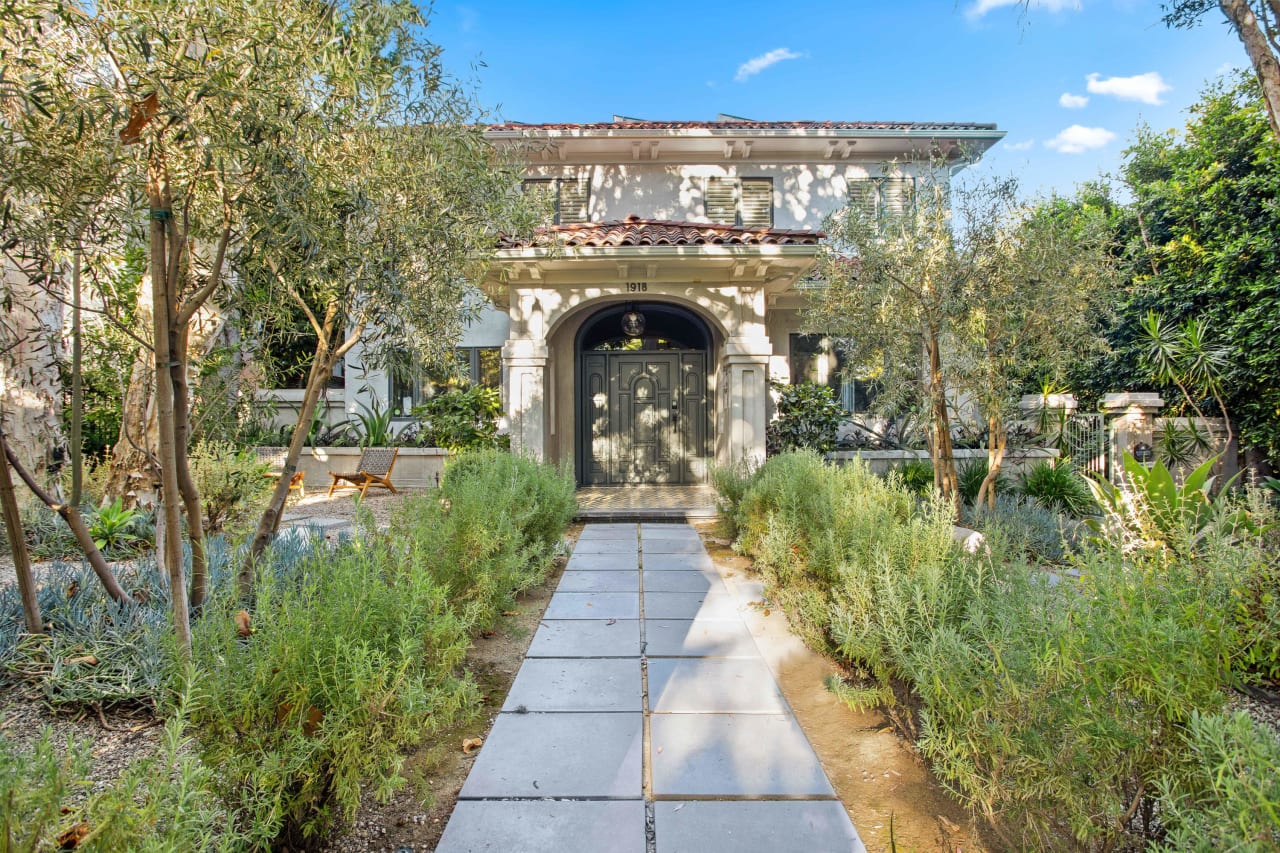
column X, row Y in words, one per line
column 374, row 470
column 274, row 457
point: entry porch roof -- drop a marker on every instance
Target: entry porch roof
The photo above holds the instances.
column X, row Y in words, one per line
column 655, row 252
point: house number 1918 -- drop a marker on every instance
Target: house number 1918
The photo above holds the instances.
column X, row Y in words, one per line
column 637, row 286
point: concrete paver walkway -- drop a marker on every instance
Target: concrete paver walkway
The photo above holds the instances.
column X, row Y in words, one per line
column 644, row 720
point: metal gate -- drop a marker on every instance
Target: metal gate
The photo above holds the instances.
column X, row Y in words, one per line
column 1083, row 440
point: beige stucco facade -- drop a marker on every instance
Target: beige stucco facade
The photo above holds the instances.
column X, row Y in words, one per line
column 744, row 282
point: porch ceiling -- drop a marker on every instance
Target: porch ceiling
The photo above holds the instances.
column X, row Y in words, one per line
column 776, row 268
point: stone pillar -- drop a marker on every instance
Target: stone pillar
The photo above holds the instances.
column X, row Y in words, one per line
column 526, row 369
column 746, row 362
column 1131, row 419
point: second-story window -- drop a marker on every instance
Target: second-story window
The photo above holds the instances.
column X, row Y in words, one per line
column 881, row 197
column 568, row 198
column 740, row 201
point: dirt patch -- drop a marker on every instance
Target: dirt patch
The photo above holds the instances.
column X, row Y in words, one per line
column 879, row 778
column 415, row 817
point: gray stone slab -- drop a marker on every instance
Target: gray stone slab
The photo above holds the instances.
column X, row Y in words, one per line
column 674, row 546
column 608, row 531
column 587, row 638
column 590, row 581
column 628, row 562
column 559, row 755
column 593, row 605
column 691, row 580
column 754, row 827
column 668, row 531
column 677, row 561
column 713, row 686
column 689, row 605
column 701, row 638
column 737, row 755
column 576, row 684
column 544, row 826
column 605, row 546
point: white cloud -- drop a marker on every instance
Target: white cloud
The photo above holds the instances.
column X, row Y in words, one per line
column 982, row 7
column 1078, row 139
column 1146, row 88
column 1024, row 145
column 757, row 64
column 1073, row 102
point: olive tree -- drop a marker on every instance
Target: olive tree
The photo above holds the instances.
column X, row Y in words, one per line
column 896, row 277
column 1033, row 310
column 186, row 111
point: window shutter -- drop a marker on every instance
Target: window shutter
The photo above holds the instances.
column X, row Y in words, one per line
column 757, row 203
column 542, row 193
column 895, row 196
column 862, row 196
column 721, row 201
column 573, row 200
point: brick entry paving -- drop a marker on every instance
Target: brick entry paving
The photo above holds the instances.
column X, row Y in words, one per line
column 645, row 721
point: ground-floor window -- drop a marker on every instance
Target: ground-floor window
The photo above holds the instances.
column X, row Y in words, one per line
column 817, row 358
column 475, row 366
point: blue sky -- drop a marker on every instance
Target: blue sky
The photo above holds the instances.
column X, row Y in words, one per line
column 927, row 60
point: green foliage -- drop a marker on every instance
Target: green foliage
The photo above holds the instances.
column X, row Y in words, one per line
column 356, row 653
column 969, row 476
column 48, row 536
column 1231, row 798
column 232, row 483
column 1179, row 444
column 376, row 426
column 808, row 418
column 113, row 528
column 1050, row 708
column 462, row 419
column 33, row 788
column 1164, row 513
column 916, row 475
column 160, row 803
column 1024, row 527
column 1055, row 485
column 730, row 483
column 1200, row 234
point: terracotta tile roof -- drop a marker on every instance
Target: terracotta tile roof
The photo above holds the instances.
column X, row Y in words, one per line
column 634, row 231
column 917, row 126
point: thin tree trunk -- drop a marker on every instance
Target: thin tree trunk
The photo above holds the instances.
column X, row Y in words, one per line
column 944, row 462
column 997, row 443
column 1265, row 63
column 18, row 548
column 72, row 517
column 76, row 439
column 163, row 307
column 321, row 370
column 186, row 483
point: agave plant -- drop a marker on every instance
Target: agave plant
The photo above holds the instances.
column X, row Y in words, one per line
column 1164, row 513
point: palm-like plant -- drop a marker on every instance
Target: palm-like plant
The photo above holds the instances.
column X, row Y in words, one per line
column 1186, row 357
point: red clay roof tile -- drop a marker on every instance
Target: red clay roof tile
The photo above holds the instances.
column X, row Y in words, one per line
column 634, row 231
column 925, row 126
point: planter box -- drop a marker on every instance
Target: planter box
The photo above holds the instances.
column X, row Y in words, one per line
column 416, row 467
column 881, row 461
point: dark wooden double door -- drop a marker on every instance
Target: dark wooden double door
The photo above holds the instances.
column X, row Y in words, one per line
column 643, row 417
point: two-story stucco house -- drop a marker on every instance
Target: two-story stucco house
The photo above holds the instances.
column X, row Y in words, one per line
column 635, row 337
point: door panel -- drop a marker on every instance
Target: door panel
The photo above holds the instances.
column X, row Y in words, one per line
column 595, row 420
column 640, row 388
column 643, row 417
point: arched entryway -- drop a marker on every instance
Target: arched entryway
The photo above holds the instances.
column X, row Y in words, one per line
column 643, row 403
